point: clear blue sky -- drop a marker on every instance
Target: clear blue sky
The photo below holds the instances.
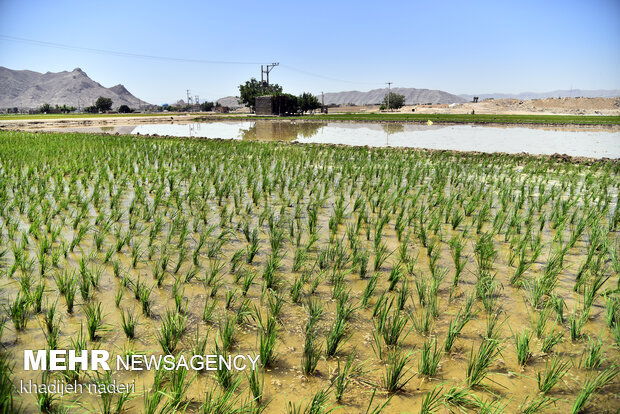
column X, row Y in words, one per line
column 456, row 46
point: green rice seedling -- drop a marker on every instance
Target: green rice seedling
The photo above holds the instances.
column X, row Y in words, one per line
column 336, row 337
column 460, row 398
column 248, row 280
column 8, row 404
column 422, row 321
column 360, row 260
column 311, row 353
column 200, row 343
column 612, row 310
column 403, row 294
column 378, row 409
column 371, row 285
column 270, row 273
column 522, row 344
column 137, row 251
column 52, row 334
column 342, row 380
column 85, row 287
column 591, row 291
column 62, row 279
column 180, row 260
column 396, row 374
column 550, row 340
column 172, row 327
column 592, row 357
column 317, row 405
column 19, row 311
column 225, row 401
column 213, row 272
column 576, row 324
column 129, row 321
column 300, row 258
column 421, row 286
column 231, row 297
column 236, row 259
column 479, row 363
column 381, row 255
column 275, row 302
column 94, row 318
column 432, row 400
column 191, row 274
column 456, row 218
column 208, row 309
column 316, row 282
column 256, row 383
column 315, row 309
column 46, row 400
column 268, row 334
column 154, row 396
column 244, row 312
column 395, row 276
column 429, row 358
column 553, row 373
column 37, row 297
column 177, row 389
column 392, row 327
column 253, row 247
column 558, row 304
column 118, row 296
column 70, row 291
column 143, row 294
column 593, row 385
column 296, row 289
column 227, row 331
column 536, row 405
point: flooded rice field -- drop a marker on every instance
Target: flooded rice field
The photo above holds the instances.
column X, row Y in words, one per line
column 585, row 141
column 365, row 280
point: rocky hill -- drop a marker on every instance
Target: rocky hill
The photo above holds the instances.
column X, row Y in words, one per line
column 375, row 96
column 27, row 89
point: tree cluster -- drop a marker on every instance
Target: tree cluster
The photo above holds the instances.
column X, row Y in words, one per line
column 292, row 104
column 396, row 101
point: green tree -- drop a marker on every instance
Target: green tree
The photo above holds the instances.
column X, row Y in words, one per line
column 45, row 108
column 103, row 104
column 396, row 101
column 206, row 106
column 253, row 88
column 308, row 102
column 124, row 109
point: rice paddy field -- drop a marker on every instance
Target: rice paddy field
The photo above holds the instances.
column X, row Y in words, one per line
column 367, row 280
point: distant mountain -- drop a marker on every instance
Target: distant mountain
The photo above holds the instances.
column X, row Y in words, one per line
column 574, row 93
column 28, row 89
column 375, row 96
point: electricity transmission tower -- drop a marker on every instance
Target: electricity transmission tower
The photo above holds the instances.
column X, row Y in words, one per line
column 388, row 103
column 266, row 72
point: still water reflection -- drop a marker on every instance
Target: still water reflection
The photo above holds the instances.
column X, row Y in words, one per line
column 595, row 142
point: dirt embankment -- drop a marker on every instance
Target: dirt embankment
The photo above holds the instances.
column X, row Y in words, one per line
column 552, row 106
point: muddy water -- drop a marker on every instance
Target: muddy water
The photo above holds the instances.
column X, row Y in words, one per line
column 593, row 142
column 286, row 382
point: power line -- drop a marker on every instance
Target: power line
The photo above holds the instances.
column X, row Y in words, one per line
column 169, row 58
column 118, row 53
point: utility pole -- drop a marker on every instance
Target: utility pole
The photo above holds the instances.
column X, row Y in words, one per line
column 389, row 83
column 266, row 71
